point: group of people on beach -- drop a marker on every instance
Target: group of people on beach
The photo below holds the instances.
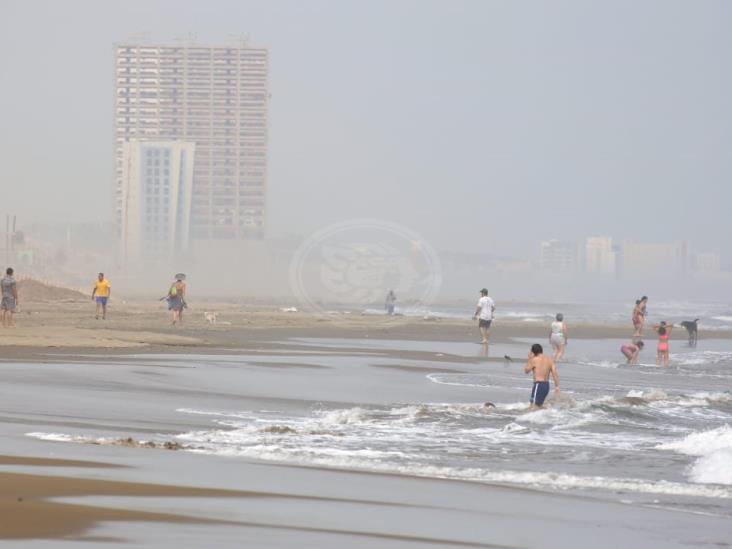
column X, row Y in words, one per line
column 544, row 367
column 101, row 292
column 485, row 312
column 631, row 351
column 538, row 364
column 175, row 297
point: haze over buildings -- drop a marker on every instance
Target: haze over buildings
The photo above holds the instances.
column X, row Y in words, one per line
column 485, row 127
column 214, row 98
column 157, row 189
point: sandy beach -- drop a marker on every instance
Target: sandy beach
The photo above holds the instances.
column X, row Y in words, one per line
column 90, row 406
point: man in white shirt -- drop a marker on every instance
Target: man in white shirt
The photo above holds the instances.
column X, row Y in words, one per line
column 484, row 314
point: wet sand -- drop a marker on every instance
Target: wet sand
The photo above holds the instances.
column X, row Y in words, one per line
column 62, row 371
column 28, row 513
column 144, row 325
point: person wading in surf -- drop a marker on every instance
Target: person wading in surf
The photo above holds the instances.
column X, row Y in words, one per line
column 542, row 367
column 484, row 313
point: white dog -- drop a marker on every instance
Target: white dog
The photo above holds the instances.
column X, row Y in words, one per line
column 210, row 317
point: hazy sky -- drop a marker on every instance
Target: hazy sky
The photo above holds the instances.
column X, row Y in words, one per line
column 484, row 126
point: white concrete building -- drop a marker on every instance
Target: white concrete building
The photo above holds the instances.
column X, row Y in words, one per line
column 156, row 198
column 215, row 97
column 600, row 257
column 558, row 256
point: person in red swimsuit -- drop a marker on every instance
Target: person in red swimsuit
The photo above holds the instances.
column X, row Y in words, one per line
column 664, row 331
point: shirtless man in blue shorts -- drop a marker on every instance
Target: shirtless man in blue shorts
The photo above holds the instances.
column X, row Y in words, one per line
column 542, row 366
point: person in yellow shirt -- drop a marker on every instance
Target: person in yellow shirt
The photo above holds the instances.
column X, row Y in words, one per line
column 100, row 294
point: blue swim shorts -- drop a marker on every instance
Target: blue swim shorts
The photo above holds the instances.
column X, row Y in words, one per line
column 539, row 392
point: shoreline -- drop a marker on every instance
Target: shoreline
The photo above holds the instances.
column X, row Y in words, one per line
column 144, row 328
column 104, row 383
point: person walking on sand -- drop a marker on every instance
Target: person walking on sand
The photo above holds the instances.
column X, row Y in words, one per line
column 558, row 336
column 9, row 303
column 542, row 367
column 631, row 351
column 176, row 300
column 101, row 293
column 390, row 302
column 484, row 313
column 664, row 331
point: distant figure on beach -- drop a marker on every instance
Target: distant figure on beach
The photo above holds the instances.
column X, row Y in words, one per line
column 664, row 331
column 9, row 297
column 631, row 351
column 484, row 313
column 542, row 367
column 692, row 328
column 558, row 337
column 390, row 302
column 101, row 292
column 639, row 316
column 176, row 300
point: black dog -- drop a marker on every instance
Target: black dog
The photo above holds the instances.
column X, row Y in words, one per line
column 692, row 327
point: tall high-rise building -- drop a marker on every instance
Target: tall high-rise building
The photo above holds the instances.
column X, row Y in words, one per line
column 157, row 184
column 215, row 98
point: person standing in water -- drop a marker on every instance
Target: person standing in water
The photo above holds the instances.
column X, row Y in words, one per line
column 664, row 331
column 542, row 367
column 101, row 292
column 558, row 337
column 631, row 351
column 637, row 318
column 390, row 302
column 484, row 313
column 9, row 303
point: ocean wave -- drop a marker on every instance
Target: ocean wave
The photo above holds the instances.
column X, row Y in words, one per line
column 545, row 480
column 714, row 449
column 699, row 358
column 702, row 443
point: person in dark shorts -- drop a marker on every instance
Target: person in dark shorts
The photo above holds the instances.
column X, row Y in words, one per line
column 484, row 313
column 542, row 367
column 9, row 297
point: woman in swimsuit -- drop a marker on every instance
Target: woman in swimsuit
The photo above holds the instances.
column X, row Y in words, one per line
column 664, row 331
column 631, row 351
column 558, row 337
column 639, row 316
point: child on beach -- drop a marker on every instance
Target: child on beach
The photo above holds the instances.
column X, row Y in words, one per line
column 664, row 331
column 631, row 351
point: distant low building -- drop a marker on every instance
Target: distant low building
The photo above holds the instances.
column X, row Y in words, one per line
column 600, row 256
column 643, row 259
column 707, row 262
column 157, row 189
column 558, row 256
